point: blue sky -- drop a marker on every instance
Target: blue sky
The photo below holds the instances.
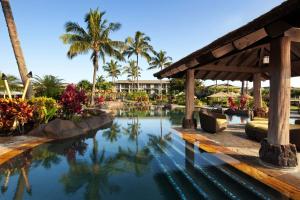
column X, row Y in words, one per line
column 178, row 27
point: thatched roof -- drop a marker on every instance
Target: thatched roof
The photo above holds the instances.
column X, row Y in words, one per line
column 241, row 53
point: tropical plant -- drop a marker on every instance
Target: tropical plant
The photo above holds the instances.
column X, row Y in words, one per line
column 84, row 85
column 160, row 61
column 14, row 113
column 14, row 82
column 95, row 39
column 132, row 71
column 138, row 96
column 15, row 42
column 48, row 86
column 113, row 70
column 72, row 101
column 44, row 109
column 138, row 46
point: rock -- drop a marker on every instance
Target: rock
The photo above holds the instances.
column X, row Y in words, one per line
column 38, row 131
column 94, row 122
column 278, row 155
column 84, row 126
column 60, row 129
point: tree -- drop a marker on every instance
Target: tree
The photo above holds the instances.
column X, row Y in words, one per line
column 160, row 61
column 138, row 46
column 132, row 71
column 84, row 85
column 15, row 42
column 113, row 69
column 48, row 85
column 95, row 39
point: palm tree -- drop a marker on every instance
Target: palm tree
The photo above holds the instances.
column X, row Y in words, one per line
column 138, row 46
column 95, row 39
column 160, row 61
column 84, row 85
column 113, row 69
column 132, row 71
column 48, row 85
column 15, row 42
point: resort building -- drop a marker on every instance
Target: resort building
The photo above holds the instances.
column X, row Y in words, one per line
column 150, row 86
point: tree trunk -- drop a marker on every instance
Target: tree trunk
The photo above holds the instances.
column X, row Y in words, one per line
column 12, row 30
column 137, row 77
column 95, row 62
column 243, row 88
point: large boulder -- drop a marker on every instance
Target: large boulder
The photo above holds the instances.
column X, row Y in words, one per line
column 60, row 129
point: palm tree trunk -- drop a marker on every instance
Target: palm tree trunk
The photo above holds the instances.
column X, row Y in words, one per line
column 95, row 63
column 160, row 91
column 243, row 88
column 15, row 42
column 137, row 77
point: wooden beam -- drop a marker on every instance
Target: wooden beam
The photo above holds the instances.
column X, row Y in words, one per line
column 280, row 91
column 237, row 69
column 249, row 39
column 293, row 34
column 189, row 94
column 277, row 28
column 257, row 91
column 221, row 51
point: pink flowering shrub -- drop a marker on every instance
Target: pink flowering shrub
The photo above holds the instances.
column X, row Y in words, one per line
column 72, row 100
column 232, row 104
column 100, row 100
column 243, row 102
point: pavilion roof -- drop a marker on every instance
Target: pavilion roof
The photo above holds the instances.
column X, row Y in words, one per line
column 244, row 51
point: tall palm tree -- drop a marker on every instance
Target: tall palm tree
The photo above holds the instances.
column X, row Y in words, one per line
column 160, row 61
column 132, row 71
column 15, row 42
column 138, row 46
column 95, row 39
column 113, row 69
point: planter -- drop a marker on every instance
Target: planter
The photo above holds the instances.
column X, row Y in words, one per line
column 238, row 112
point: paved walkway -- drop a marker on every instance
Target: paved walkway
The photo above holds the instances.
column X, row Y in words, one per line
column 233, row 147
column 13, row 146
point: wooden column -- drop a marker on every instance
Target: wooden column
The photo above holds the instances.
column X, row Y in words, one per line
column 188, row 121
column 257, row 91
column 277, row 149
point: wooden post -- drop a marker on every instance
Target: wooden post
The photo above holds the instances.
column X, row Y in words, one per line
column 257, row 91
column 189, row 121
column 277, row 150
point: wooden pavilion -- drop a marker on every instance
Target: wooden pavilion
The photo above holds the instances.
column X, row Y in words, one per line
column 267, row 48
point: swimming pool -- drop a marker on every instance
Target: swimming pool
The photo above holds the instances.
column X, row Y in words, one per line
column 139, row 157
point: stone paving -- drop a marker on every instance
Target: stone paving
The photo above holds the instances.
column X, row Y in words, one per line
column 13, row 146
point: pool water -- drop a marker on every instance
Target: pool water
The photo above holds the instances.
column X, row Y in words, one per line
column 138, row 157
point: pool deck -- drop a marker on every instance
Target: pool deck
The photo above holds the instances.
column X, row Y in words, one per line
column 233, row 147
column 13, row 146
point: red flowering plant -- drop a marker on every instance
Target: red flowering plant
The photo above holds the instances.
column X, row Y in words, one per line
column 232, row 104
column 14, row 114
column 100, row 100
column 243, row 102
column 72, row 101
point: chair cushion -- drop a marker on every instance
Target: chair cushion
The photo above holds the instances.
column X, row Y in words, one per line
column 221, row 121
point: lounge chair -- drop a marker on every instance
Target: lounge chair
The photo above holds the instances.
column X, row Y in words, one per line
column 212, row 122
column 257, row 130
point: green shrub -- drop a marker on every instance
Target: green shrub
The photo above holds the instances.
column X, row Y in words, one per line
column 138, row 96
column 44, row 109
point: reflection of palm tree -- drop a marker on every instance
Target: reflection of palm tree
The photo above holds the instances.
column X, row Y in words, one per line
column 113, row 133
column 93, row 176
column 137, row 161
